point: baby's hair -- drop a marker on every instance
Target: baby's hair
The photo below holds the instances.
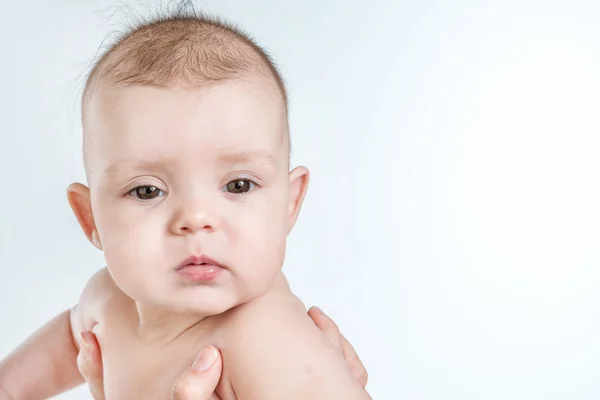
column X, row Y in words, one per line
column 184, row 47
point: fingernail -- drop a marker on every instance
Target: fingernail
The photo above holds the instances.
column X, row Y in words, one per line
column 319, row 310
column 205, row 359
column 83, row 342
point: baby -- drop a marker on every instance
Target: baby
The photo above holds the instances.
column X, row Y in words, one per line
column 190, row 198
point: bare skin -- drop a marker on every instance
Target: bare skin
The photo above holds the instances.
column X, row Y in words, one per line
column 176, row 184
column 196, row 384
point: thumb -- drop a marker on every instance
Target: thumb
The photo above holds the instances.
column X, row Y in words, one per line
column 200, row 380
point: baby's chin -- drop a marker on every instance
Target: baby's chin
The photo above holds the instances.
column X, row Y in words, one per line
column 201, row 301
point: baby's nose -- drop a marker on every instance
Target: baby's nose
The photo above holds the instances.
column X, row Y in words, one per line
column 193, row 218
column 194, row 222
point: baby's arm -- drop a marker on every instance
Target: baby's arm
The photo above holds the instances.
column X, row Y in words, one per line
column 279, row 353
column 46, row 363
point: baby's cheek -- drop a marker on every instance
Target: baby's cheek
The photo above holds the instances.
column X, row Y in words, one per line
column 260, row 260
column 129, row 242
column 130, row 261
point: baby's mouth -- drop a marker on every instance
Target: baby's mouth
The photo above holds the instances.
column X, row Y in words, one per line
column 199, row 269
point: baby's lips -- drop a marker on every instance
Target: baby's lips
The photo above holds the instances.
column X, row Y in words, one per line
column 199, row 260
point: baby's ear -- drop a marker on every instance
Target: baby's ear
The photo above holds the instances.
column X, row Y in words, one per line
column 81, row 204
column 299, row 178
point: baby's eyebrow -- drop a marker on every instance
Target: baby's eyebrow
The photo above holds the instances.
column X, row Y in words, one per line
column 246, row 157
column 225, row 158
column 118, row 168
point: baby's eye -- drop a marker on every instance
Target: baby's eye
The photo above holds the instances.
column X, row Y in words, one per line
column 240, row 186
column 146, row 192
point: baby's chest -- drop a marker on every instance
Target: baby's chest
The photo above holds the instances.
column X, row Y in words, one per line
column 136, row 370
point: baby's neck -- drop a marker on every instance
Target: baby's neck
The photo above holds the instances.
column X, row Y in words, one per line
column 163, row 326
column 159, row 325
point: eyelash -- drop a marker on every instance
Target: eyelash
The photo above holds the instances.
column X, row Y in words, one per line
column 133, row 192
column 253, row 185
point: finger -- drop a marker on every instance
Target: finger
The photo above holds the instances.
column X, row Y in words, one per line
column 326, row 324
column 200, row 381
column 358, row 369
column 89, row 362
column 331, row 330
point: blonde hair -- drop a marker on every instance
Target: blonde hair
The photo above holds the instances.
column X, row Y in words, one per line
column 183, row 47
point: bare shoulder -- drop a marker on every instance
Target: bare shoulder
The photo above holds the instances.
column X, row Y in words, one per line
column 265, row 310
column 99, row 292
column 274, row 351
column 99, row 286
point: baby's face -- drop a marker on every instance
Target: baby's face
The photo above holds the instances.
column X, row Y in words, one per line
column 183, row 177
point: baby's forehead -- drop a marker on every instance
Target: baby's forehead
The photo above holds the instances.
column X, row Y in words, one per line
column 222, row 108
column 236, row 121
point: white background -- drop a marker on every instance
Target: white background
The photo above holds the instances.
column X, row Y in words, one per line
column 453, row 221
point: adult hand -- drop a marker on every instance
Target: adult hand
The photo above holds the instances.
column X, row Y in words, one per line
column 200, row 380
column 331, row 330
